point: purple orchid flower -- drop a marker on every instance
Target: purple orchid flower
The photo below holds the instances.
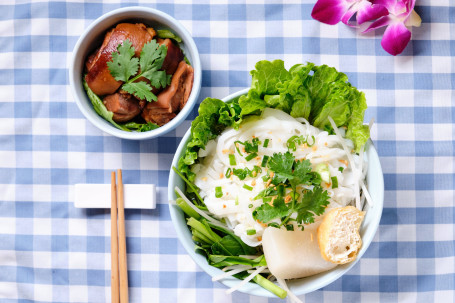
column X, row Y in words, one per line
column 397, row 35
column 333, row 11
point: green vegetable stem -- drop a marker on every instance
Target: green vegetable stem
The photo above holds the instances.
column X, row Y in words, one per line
column 99, row 107
column 164, row 33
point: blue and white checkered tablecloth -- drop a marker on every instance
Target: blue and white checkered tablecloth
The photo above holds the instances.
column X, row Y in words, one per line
column 53, row 252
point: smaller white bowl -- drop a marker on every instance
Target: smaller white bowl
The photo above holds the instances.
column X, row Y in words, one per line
column 93, row 38
column 301, row 286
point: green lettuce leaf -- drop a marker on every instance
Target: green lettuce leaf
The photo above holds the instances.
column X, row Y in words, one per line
column 251, row 103
column 214, row 116
column 99, row 107
column 165, row 33
column 267, row 75
column 294, row 92
column 320, row 85
column 358, row 132
column 337, row 105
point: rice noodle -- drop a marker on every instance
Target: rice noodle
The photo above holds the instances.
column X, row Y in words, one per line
column 236, row 204
column 351, row 161
column 236, row 266
column 200, row 212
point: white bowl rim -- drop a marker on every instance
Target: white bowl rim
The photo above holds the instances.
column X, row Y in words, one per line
column 181, row 116
column 251, row 288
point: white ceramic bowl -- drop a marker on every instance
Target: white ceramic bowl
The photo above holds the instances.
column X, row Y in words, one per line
column 298, row 286
column 93, row 37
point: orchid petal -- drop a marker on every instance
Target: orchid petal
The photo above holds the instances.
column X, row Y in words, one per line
column 395, row 38
column 400, row 8
column 348, row 15
column 330, row 11
column 389, row 4
column 413, row 19
column 383, row 21
column 368, row 12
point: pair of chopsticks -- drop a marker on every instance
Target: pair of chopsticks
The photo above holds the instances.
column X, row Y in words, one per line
column 118, row 242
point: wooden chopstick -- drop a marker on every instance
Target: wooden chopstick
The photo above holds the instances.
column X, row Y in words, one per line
column 122, row 240
column 114, row 243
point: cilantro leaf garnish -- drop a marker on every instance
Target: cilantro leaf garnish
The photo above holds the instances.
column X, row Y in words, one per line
column 124, row 67
column 302, row 173
column 313, row 203
column 266, row 213
column 289, row 173
column 152, row 58
column 281, row 165
column 141, row 90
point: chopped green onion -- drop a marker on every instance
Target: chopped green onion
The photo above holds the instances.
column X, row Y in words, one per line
column 232, row 160
column 314, row 141
column 334, row 182
column 264, row 161
column 273, row 224
column 218, row 192
column 250, row 205
column 341, row 168
column 237, row 200
column 228, row 172
column 266, row 142
column 247, row 187
column 256, row 170
column 290, row 227
column 251, row 232
column 236, row 144
column 251, row 156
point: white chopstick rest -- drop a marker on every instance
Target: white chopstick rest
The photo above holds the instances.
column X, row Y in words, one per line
column 140, row 196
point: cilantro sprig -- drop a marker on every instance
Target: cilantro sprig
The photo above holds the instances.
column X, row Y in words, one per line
column 124, row 67
column 288, row 173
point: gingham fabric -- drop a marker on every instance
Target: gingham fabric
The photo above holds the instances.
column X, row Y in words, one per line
column 53, row 252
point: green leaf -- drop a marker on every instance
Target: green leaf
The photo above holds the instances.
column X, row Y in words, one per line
column 320, row 86
column 228, row 245
column 272, row 101
column 140, row 90
column 99, row 107
column 141, row 127
column 247, row 250
column 281, row 164
column 266, row 212
column 251, row 103
column 313, row 203
column 302, row 173
column 267, row 75
column 152, row 56
column 223, row 261
column 123, row 65
column 294, row 92
column 337, row 104
column 164, row 33
column 358, row 132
